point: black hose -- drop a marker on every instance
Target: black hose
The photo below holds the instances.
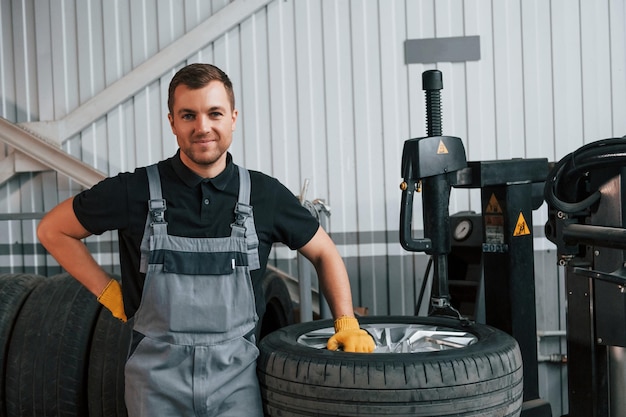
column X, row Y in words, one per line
column 424, row 282
column 574, row 167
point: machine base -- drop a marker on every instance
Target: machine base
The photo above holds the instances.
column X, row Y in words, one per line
column 536, row 408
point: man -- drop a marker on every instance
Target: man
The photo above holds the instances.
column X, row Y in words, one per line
column 195, row 232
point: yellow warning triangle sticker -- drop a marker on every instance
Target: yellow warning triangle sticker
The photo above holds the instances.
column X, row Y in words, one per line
column 493, row 206
column 442, row 148
column 521, row 228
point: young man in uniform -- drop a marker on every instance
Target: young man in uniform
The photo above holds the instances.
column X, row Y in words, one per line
column 195, row 232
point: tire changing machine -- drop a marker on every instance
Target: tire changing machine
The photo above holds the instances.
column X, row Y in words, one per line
column 510, row 191
column 586, row 192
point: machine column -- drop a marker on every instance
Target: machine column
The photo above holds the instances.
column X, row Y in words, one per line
column 509, row 271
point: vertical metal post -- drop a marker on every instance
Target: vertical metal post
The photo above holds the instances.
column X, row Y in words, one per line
column 509, row 271
column 304, row 281
column 321, row 212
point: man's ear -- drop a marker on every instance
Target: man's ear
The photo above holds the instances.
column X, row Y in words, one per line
column 171, row 120
column 234, row 123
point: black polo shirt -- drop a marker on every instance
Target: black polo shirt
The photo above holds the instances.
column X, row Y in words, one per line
column 196, row 207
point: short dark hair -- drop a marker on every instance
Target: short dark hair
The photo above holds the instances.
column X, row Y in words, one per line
column 197, row 76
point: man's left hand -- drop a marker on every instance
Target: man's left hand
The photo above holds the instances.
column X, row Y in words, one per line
column 350, row 337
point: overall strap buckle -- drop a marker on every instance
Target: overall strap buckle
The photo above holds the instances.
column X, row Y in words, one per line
column 243, row 226
column 157, row 209
column 242, row 213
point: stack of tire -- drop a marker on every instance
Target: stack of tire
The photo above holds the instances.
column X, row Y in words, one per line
column 61, row 353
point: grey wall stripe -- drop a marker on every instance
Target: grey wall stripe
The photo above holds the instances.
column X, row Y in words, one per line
column 348, row 238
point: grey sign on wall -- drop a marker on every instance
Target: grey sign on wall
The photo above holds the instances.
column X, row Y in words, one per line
column 432, row 50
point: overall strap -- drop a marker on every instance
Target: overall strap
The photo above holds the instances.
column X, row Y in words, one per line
column 155, row 221
column 244, row 220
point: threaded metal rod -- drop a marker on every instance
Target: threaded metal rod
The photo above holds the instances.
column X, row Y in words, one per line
column 432, row 83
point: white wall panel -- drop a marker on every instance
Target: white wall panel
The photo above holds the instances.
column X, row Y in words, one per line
column 339, row 128
column 596, row 70
column 567, row 76
column 282, row 103
column 508, row 77
column 7, row 76
column 45, row 80
column 617, row 17
column 115, row 37
column 332, row 101
column 480, row 86
column 537, row 70
column 309, row 67
column 254, row 125
column 24, row 57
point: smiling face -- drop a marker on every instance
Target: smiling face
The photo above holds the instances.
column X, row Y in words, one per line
column 203, row 122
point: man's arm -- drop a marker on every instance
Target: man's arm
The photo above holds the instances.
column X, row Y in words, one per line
column 61, row 234
column 331, row 271
column 335, row 285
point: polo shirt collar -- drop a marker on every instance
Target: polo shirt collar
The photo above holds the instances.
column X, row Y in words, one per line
column 192, row 179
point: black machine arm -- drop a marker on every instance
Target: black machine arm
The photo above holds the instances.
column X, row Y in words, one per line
column 429, row 166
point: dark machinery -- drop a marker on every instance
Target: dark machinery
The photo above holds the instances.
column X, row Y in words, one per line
column 585, row 192
column 433, row 177
column 510, row 191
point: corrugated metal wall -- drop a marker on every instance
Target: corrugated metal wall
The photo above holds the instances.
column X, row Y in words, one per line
column 324, row 94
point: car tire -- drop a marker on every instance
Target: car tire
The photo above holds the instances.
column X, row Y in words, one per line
column 14, row 289
column 48, row 350
column 482, row 379
column 107, row 358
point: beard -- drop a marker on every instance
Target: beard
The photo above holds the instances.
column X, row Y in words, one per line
column 203, row 156
column 204, row 153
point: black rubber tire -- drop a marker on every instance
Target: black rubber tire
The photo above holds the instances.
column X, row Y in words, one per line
column 109, row 349
column 14, row 289
column 483, row 379
column 48, row 351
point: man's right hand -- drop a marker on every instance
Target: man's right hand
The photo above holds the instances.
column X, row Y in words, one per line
column 111, row 298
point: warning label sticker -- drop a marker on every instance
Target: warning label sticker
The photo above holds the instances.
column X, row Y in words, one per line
column 493, row 207
column 442, row 148
column 494, row 229
column 521, row 227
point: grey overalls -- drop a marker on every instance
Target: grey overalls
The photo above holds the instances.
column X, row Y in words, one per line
column 197, row 312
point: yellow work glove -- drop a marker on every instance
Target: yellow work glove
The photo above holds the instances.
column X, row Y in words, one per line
column 350, row 337
column 111, row 298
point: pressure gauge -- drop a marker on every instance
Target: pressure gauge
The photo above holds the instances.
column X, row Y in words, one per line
column 462, row 230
